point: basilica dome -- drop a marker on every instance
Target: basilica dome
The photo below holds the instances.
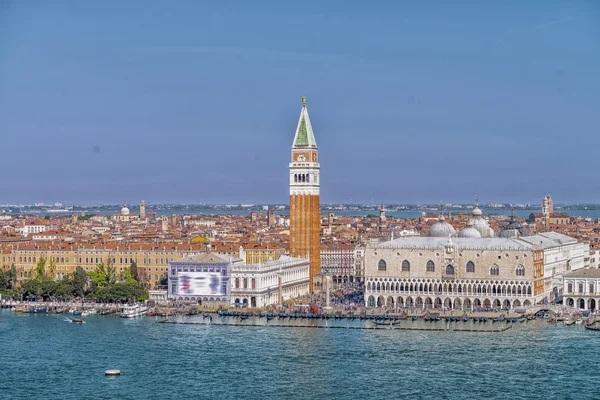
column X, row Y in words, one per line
column 477, row 212
column 125, row 210
column 469, row 231
column 482, row 226
column 442, row 229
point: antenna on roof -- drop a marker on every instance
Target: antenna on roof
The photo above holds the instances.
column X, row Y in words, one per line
column 476, row 200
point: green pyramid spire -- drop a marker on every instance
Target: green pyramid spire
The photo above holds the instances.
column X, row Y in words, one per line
column 304, row 133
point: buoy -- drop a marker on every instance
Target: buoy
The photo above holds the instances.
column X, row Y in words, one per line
column 112, row 372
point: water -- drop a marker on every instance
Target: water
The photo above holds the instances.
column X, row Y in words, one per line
column 42, row 356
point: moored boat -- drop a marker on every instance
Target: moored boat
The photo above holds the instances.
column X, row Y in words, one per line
column 133, row 311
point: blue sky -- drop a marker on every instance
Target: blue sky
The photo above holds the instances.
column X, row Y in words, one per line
column 190, row 102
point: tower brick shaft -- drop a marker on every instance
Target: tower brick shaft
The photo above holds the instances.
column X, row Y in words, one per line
column 305, row 208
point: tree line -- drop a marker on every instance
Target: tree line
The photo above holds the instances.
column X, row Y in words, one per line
column 102, row 284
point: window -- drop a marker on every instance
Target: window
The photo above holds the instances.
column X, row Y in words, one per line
column 520, row 271
column 381, row 265
column 569, row 287
column 494, row 270
column 253, row 283
column 471, row 267
column 237, row 283
column 405, row 266
column 449, row 269
column 430, row 266
column 591, row 288
column 581, row 288
column 245, row 283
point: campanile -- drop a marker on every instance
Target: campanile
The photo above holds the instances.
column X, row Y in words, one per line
column 305, row 209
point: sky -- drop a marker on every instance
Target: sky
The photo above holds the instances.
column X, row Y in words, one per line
column 198, row 101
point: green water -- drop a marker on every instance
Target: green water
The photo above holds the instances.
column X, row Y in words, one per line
column 46, row 357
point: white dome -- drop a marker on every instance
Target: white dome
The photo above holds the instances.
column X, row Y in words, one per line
column 482, row 226
column 477, row 212
column 469, row 232
column 125, row 210
column 442, row 229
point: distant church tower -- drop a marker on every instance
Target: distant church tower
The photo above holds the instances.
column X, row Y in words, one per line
column 142, row 210
column 305, row 208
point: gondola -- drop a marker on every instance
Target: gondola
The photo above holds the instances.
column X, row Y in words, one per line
column 592, row 327
column 381, row 323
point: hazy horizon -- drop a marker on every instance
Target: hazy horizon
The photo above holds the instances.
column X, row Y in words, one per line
column 197, row 102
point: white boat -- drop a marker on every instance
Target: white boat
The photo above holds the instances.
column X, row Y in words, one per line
column 133, row 311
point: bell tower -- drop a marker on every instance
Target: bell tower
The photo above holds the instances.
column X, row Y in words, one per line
column 305, row 208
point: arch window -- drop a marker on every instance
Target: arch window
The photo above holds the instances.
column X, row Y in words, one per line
column 430, row 266
column 449, row 269
column 471, row 267
column 405, row 266
column 494, row 270
column 237, row 283
column 520, row 271
column 381, row 265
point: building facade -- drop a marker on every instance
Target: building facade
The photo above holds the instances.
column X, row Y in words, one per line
column 305, row 209
column 468, row 273
column 270, row 283
column 581, row 289
column 152, row 260
column 340, row 262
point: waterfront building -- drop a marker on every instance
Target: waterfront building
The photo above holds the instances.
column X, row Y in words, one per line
column 253, row 285
column 305, row 209
column 269, row 283
column 581, row 289
column 470, row 272
column 152, row 259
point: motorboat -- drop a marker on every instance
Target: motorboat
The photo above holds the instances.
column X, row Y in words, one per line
column 133, row 311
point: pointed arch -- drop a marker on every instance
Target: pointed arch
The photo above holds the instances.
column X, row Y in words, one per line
column 430, row 266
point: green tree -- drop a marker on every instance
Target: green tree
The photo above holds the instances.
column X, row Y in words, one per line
column 64, row 290
column 80, row 282
column 127, row 277
column 51, row 271
column 134, row 270
column 13, row 276
column 4, row 280
column 104, row 275
column 31, row 288
column 48, row 289
column 39, row 272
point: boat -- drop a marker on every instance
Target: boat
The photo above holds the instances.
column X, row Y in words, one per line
column 133, row 311
column 112, row 372
column 77, row 321
column 592, row 327
column 568, row 322
column 382, row 323
column 21, row 310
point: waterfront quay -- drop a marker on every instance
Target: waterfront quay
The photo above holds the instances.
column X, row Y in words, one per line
column 302, row 316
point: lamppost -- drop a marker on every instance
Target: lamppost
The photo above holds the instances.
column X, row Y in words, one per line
column 327, row 285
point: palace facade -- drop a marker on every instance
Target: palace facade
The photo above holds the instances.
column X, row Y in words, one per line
column 470, row 272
